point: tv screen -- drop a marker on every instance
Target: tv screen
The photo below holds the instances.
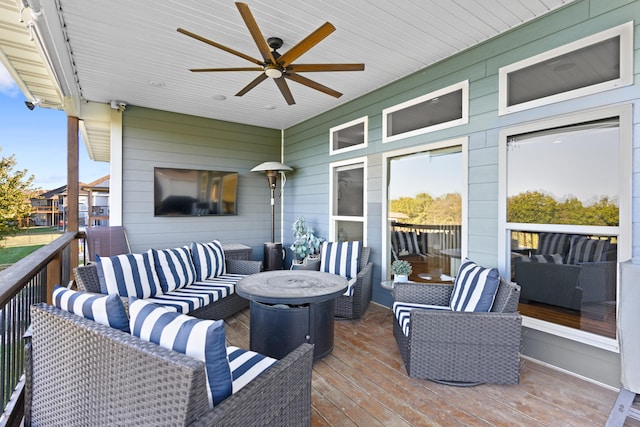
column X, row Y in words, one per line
column 189, row 192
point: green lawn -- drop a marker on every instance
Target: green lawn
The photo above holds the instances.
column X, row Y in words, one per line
column 16, row 253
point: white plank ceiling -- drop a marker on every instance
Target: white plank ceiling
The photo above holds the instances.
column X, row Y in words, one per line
column 130, row 50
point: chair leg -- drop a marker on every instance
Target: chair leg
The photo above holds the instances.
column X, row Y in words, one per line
column 621, row 408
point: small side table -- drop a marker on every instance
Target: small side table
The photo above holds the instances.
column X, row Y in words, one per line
column 236, row 251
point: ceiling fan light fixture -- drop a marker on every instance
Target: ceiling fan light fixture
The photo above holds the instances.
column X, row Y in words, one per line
column 273, row 72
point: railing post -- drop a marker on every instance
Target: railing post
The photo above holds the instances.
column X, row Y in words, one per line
column 54, row 275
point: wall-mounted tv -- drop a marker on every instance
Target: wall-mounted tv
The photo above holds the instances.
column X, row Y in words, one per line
column 190, row 192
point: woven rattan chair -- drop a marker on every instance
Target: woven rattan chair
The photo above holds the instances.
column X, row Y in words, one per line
column 353, row 307
column 87, row 280
column 461, row 348
column 81, row 373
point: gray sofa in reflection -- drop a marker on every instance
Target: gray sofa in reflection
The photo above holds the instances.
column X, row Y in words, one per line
column 580, row 272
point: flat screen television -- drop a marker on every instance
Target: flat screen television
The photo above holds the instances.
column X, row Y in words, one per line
column 191, row 192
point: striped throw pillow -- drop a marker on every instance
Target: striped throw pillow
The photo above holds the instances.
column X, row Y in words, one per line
column 405, row 242
column 475, row 288
column 128, row 275
column 584, row 249
column 553, row 243
column 203, row 340
column 341, row 258
column 174, row 267
column 104, row 309
column 208, row 259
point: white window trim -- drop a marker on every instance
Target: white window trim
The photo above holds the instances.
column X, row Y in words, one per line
column 463, row 120
column 464, row 144
column 334, row 218
column 365, row 121
column 624, row 31
column 623, row 231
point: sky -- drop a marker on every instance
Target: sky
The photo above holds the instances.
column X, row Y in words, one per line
column 38, row 139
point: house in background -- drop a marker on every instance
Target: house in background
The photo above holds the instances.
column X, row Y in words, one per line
column 51, row 207
column 508, row 101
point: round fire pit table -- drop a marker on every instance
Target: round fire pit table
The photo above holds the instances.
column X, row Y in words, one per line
column 289, row 307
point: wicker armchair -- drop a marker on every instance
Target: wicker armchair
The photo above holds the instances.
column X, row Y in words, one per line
column 86, row 278
column 79, row 372
column 460, row 348
column 353, row 307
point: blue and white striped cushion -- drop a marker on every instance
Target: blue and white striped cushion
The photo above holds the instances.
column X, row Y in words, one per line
column 553, row 243
column 246, row 365
column 105, row 309
column 405, row 242
column 343, row 259
column 174, row 267
column 193, row 297
column 402, row 311
column 474, row 288
column 203, row 340
column 208, row 259
column 128, row 275
column 584, row 249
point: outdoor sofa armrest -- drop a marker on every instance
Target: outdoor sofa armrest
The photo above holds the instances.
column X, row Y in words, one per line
column 423, row 293
column 87, row 278
column 279, row 396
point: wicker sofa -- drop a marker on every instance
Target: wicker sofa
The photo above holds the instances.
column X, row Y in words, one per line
column 460, row 347
column 197, row 280
column 79, row 372
column 87, row 280
column 563, row 276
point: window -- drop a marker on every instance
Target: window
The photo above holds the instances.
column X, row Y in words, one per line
column 566, row 186
column 348, row 136
column 348, row 204
column 425, row 197
column 437, row 110
column 590, row 65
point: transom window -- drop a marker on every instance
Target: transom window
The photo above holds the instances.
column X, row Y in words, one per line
column 348, row 136
column 437, row 110
column 590, row 65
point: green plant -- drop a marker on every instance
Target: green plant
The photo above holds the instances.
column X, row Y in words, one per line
column 305, row 240
column 401, row 267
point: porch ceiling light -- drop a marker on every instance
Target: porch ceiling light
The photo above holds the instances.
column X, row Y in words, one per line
column 271, row 169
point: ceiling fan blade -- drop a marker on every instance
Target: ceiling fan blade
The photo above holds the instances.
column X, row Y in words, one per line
column 307, row 68
column 313, row 85
column 219, row 46
column 208, row 70
column 258, row 38
column 307, row 43
column 284, row 88
column 262, row 77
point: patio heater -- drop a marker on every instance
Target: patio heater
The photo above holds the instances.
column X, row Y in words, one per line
column 273, row 253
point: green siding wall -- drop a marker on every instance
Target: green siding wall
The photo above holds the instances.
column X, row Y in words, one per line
column 307, row 150
column 153, row 138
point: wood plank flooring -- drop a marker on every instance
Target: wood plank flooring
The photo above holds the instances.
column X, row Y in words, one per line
column 363, row 382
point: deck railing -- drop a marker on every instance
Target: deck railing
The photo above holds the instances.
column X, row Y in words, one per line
column 25, row 283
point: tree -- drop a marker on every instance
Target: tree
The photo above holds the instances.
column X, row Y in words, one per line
column 15, row 192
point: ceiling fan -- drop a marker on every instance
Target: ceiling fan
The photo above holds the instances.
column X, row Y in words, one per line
column 274, row 65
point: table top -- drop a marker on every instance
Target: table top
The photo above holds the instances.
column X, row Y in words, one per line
column 388, row 284
column 291, row 286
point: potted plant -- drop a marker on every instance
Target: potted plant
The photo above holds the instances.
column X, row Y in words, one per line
column 305, row 244
column 401, row 270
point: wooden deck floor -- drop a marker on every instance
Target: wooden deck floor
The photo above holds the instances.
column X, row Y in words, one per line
column 363, row 383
